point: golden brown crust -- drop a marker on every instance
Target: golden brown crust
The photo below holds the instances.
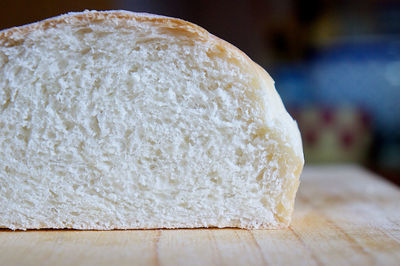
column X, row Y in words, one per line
column 14, row 36
column 110, row 16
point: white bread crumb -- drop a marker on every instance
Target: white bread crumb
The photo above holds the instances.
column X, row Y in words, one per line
column 122, row 120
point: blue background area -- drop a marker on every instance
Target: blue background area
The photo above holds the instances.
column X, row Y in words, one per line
column 364, row 73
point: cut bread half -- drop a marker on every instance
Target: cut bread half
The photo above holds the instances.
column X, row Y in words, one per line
column 121, row 120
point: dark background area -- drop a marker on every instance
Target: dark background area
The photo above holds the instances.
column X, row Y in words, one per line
column 336, row 64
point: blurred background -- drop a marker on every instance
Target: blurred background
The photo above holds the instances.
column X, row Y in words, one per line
column 336, row 64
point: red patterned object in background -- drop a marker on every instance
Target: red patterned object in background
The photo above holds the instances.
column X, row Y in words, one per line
column 334, row 135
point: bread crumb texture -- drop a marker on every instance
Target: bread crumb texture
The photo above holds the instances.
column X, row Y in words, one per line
column 124, row 120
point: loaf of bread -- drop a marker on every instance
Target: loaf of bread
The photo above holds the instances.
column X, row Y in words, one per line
column 121, row 120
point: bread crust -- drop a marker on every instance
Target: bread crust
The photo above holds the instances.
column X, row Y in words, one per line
column 12, row 36
column 118, row 17
column 15, row 35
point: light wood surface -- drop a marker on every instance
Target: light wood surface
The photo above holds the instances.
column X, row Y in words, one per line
column 344, row 215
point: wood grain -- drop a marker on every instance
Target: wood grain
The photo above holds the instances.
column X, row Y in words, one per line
column 344, row 215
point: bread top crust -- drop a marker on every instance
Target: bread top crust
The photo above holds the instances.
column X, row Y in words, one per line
column 119, row 18
column 273, row 106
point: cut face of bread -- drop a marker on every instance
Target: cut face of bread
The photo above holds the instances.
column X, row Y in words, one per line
column 125, row 120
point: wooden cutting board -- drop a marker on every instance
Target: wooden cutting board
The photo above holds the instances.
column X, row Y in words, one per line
column 344, row 215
